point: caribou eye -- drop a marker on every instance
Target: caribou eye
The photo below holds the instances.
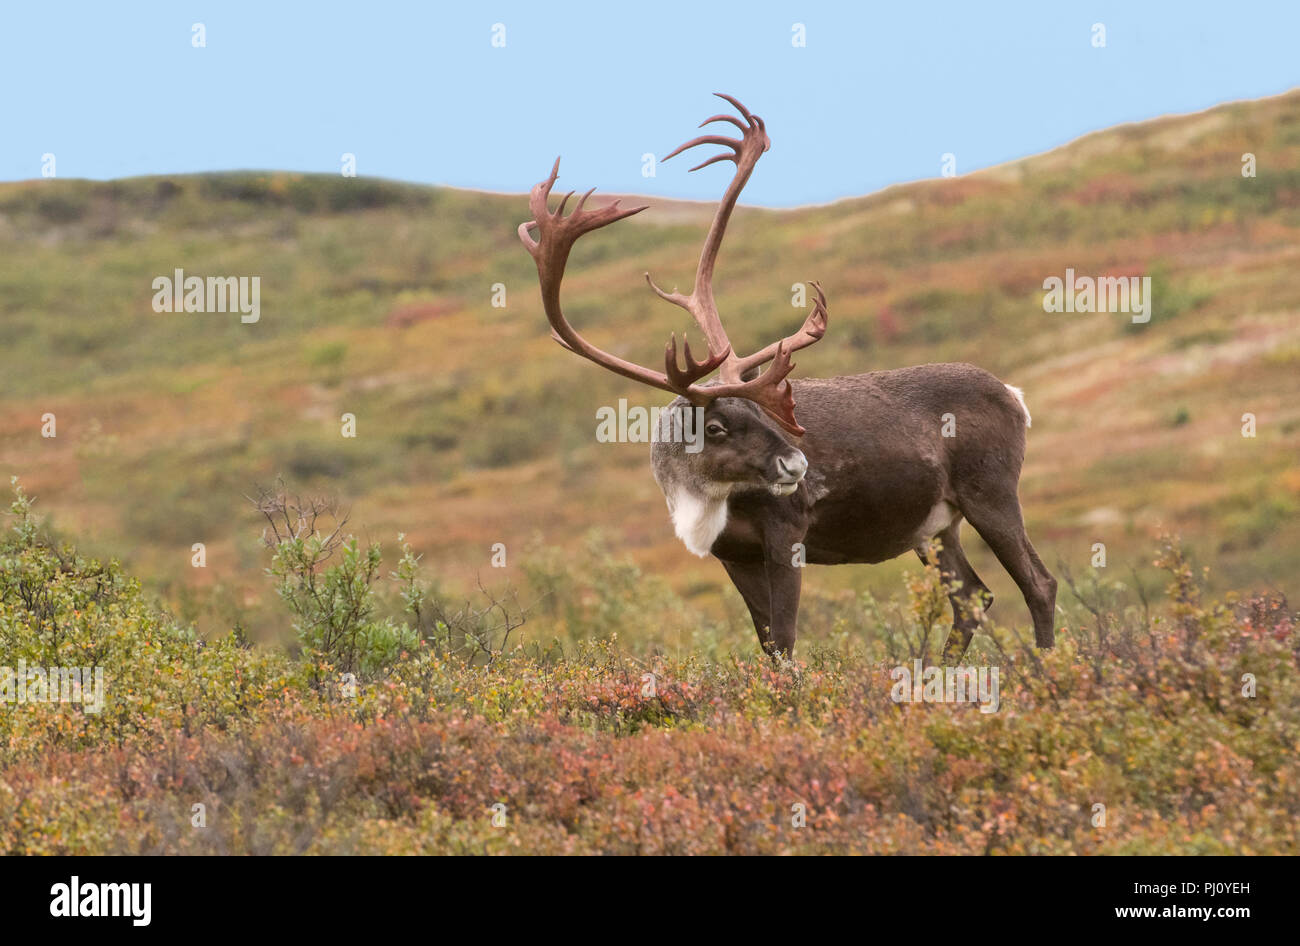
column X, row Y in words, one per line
column 714, row 429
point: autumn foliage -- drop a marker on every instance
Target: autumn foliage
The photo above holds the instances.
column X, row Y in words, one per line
column 604, row 747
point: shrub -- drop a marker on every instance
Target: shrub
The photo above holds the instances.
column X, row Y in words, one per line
column 59, row 609
column 1176, row 718
column 333, row 602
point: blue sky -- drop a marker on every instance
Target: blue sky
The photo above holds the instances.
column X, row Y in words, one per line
column 418, row 92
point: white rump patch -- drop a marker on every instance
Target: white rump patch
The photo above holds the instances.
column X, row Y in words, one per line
column 698, row 520
column 1019, row 395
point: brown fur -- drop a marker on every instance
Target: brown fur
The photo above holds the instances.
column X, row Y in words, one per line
column 877, row 465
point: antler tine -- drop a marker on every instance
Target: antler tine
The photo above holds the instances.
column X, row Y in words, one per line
column 755, row 123
column 813, row 328
column 675, row 297
column 744, row 153
column 738, row 107
column 707, row 139
column 695, row 370
column 566, row 229
column 770, row 391
column 723, row 117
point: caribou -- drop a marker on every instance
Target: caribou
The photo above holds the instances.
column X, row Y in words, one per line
column 876, row 465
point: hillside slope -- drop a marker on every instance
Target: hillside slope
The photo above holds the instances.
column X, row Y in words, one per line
column 474, row 428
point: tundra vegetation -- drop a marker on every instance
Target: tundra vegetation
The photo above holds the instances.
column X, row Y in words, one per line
column 598, row 735
column 473, row 428
column 226, row 686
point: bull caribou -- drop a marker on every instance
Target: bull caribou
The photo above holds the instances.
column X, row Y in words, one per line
column 876, row 465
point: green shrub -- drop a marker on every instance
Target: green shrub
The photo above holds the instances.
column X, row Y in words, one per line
column 61, row 610
column 327, row 579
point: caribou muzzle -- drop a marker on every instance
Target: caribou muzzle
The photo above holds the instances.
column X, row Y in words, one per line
column 790, row 470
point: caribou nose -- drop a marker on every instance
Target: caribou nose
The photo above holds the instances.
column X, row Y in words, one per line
column 793, row 467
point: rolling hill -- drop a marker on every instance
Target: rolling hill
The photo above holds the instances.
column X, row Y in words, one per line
column 474, row 428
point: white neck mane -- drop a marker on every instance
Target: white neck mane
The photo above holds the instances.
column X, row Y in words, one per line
column 698, row 519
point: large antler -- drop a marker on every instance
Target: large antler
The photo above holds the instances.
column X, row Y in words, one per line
column 558, row 234
column 744, row 153
column 770, row 390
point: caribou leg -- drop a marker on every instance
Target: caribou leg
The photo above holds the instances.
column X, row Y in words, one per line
column 786, row 581
column 1000, row 523
column 973, row 591
column 750, row 579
